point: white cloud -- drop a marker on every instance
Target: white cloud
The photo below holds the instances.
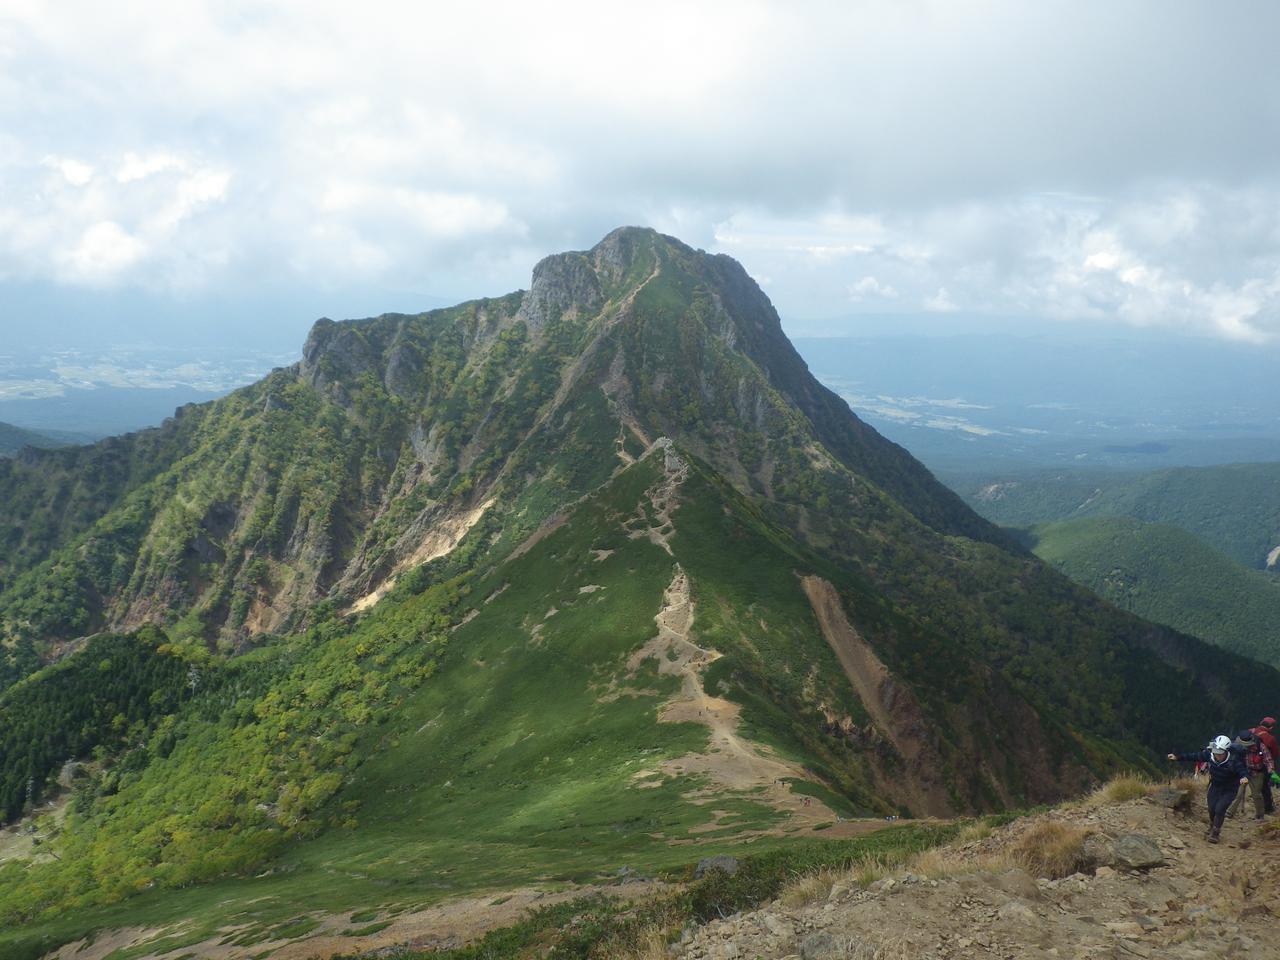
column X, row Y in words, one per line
column 940, row 302
column 102, row 251
column 135, row 167
column 870, row 287
column 73, row 171
column 1075, row 164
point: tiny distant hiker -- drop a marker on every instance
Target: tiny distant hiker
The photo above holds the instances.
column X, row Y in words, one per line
column 1226, row 773
column 1261, row 768
column 1265, row 734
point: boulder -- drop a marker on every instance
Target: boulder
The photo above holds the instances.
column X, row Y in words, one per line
column 1098, row 851
column 727, row 864
column 1173, row 798
column 1136, row 851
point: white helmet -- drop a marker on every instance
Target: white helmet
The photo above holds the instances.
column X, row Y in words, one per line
column 1221, row 744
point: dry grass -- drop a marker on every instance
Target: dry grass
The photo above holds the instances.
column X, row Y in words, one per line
column 810, row 888
column 973, row 832
column 942, row 864
column 1190, row 784
column 1127, row 786
column 1050, row 849
column 649, row 943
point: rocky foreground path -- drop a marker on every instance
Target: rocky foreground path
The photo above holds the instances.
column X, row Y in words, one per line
column 1146, row 884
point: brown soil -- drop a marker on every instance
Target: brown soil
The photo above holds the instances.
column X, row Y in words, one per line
column 439, row 927
column 893, row 710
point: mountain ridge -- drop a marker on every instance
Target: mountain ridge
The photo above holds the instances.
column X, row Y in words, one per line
column 527, row 575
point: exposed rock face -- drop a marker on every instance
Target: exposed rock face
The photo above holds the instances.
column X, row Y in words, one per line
column 562, row 282
column 335, row 353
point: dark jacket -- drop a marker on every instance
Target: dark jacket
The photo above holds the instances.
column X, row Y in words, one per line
column 1226, row 772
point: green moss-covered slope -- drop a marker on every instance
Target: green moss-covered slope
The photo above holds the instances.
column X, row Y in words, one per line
column 1169, row 576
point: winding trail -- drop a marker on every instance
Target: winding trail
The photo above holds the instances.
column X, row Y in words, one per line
column 731, row 764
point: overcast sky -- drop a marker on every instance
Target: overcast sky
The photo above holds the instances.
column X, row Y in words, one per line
column 1106, row 162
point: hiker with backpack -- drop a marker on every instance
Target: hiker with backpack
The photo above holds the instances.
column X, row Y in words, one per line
column 1227, row 772
column 1261, row 769
column 1264, row 733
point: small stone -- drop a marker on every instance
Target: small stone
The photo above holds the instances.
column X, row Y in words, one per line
column 1015, row 910
column 1103, row 872
column 1124, row 928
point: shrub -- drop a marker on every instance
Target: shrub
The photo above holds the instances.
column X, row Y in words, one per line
column 1051, row 849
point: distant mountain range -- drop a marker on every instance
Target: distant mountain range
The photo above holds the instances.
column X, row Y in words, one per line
column 1167, row 575
column 1233, row 508
column 13, row 439
column 1196, row 549
column 532, row 589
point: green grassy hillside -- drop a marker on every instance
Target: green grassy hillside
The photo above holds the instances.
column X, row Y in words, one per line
column 1167, row 575
column 461, row 617
column 500, row 729
column 1233, row 508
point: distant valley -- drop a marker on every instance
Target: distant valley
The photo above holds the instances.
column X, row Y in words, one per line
column 991, row 402
column 1193, row 548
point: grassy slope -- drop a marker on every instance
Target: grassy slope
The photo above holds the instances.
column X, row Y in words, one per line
column 1165, row 574
column 498, row 783
column 475, row 779
column 1233, row 508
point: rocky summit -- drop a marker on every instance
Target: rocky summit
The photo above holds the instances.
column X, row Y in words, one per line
column 515, row 595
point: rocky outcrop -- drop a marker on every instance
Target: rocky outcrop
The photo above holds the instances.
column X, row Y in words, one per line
column 561, row 283
column 1169, row 895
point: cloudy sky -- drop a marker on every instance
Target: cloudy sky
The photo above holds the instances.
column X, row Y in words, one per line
column 195, row 165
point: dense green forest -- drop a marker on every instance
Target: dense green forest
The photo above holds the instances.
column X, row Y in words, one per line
column 1233, row 508
column 109, row 695
column 1165, row 574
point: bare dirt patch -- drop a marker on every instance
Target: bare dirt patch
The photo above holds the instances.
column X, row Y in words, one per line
column 731, row 764
column 446, row 534
column 893, row 709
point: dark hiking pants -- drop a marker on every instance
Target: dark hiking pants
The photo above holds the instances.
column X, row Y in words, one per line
column 1220, row 799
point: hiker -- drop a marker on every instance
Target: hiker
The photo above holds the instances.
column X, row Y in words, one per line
column 1261, row 768
column 1227, row 773
column 1264, row 733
